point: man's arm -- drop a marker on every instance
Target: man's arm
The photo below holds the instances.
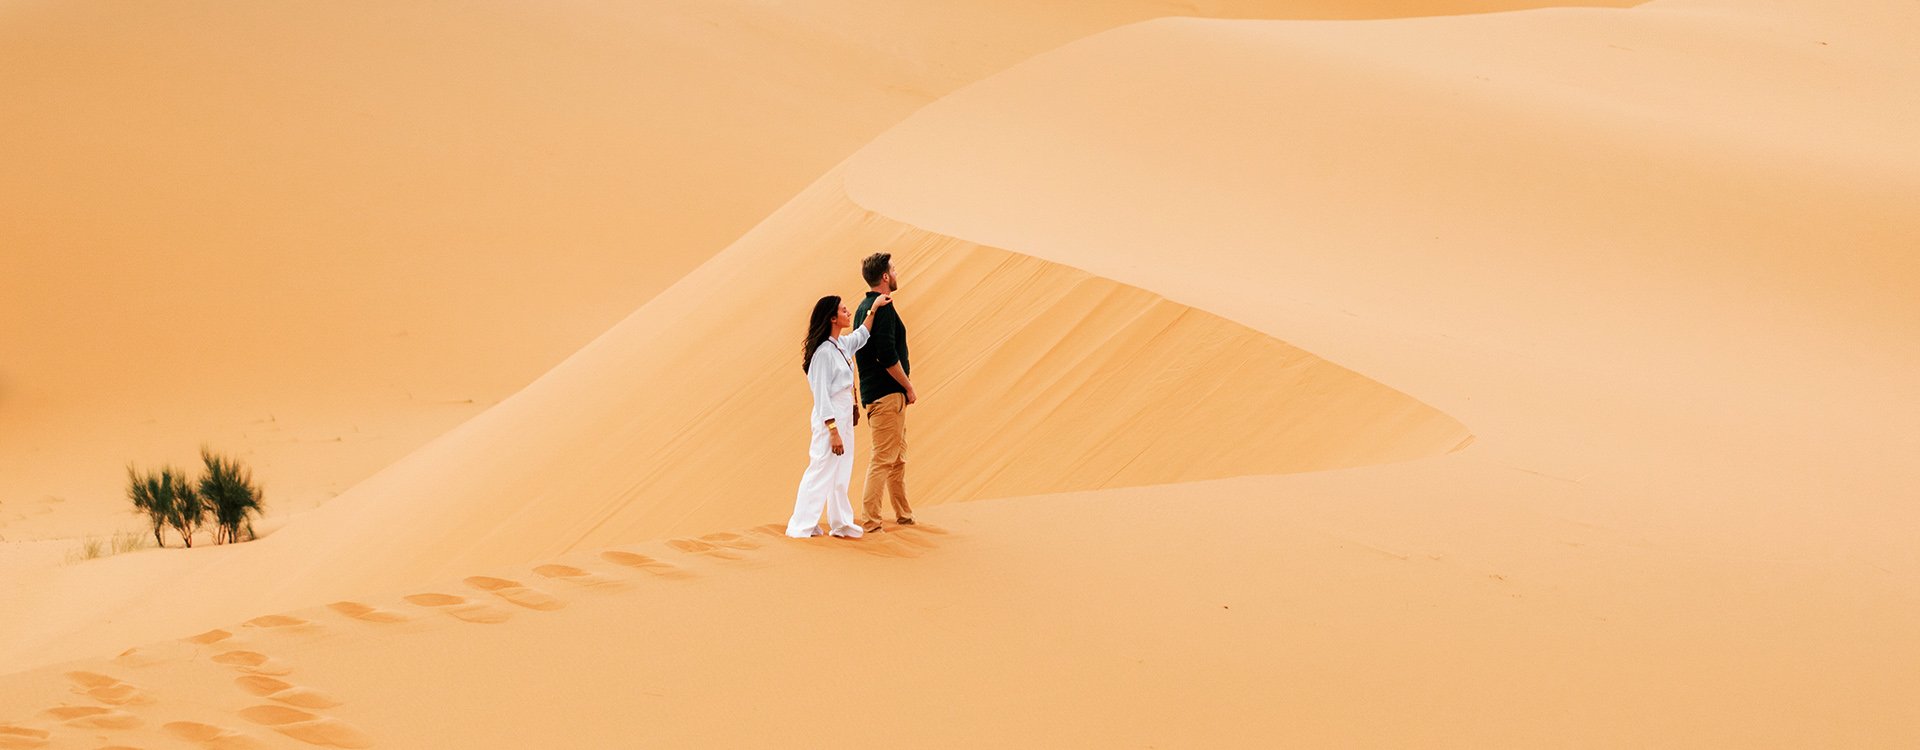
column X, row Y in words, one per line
column 880, row 343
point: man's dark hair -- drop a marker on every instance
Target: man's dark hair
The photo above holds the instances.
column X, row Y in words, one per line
column 876, row 266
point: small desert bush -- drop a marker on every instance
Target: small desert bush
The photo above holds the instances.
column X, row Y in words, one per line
column 168, row 500
column 229, row 491
column 225, row 491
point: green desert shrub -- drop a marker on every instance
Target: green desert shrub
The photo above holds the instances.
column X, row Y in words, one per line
column 229, row 491
column 145, row 489
column 168, row 500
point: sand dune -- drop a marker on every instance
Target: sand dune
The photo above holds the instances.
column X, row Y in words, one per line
column 303, row 233
column 1037, row 378
column 1613, row 296
column 1655, row 262
column 1672, row 300
column 1012, row 620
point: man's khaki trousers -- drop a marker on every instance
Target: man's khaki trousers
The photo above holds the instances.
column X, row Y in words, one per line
column 888, row 470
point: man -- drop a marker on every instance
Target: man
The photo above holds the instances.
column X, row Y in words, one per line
column 886, row 392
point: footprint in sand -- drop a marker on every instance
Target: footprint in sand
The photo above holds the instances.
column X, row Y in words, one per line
column 643, row 562
column 306, row 727
column 885, row 544
column 108, row 690
column 94, row 717
column 210, row 637
column 275, row 621
column 730, row 540
column 460, row 607
column 284, row 692
column 575, row 576
column 907, row 541
column 773, row 530
column 910, row 537
column 516, row 592
column 138, row 657
column 212, row 737
column 703, row 547
column 15, row 737
column 366, row 613
column 155, row 653
column 252, row 661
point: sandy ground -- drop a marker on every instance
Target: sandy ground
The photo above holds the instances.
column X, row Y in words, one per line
column 1042, row 371
column 320, row 234
column 1540, row 378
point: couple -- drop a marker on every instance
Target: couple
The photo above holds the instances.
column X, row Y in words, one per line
column 878, row 345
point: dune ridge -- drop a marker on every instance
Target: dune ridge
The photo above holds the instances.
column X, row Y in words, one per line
column 1038, row 378
column 1683, row 519
column 1017, row 355
column 1673, row 300
column 307, row 227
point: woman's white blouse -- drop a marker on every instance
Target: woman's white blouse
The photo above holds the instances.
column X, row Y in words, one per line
column 831, row 376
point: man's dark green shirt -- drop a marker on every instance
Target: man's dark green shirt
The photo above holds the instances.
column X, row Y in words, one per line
column 887, row 345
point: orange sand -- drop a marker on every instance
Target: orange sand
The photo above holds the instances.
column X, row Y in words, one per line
column 1527, row 379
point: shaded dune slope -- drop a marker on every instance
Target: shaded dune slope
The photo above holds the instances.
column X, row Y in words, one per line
column 1661, row 260
column 690, row 416
column 1660, row 536
column 1037, row 378
column 303, row 232
column 1474, row 169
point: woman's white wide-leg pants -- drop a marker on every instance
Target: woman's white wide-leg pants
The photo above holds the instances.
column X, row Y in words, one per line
column 824, row 486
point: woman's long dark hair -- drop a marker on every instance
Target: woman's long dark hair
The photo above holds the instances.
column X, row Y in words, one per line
column 819, row 327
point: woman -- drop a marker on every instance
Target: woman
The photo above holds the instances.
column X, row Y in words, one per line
column 827, row 359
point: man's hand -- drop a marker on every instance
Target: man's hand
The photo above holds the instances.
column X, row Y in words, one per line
column 839, row 448
column 911, row 395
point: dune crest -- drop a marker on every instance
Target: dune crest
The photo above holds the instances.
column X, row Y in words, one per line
column 1659, row 261
column 1036, row 378
column 307, row 232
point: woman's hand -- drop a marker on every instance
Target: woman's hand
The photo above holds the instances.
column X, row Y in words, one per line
column 839, row 448
column 879, row 302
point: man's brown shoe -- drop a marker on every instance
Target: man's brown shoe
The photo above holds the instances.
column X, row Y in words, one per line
column 904, row 521
column 872, row 528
